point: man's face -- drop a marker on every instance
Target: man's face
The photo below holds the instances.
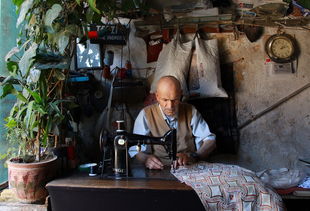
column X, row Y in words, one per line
column 168, row 100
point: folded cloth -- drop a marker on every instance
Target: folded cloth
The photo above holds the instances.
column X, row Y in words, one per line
column 228, row 187
column 305, row 183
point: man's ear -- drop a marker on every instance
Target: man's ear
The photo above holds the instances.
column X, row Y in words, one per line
column 156, row 95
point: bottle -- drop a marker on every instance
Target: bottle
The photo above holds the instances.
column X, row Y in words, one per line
column 128, row 69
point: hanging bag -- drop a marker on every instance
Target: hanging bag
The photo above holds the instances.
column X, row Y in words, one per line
column 173, row 60
column 204, row 73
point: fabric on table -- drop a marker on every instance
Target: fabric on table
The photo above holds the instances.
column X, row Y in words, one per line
column 228, row 187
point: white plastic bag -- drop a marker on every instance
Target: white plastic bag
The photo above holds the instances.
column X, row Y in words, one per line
column 281, row 178
column 174, row 60
column 205, row 75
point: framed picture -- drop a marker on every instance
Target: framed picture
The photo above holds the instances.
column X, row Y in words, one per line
column 88, row 56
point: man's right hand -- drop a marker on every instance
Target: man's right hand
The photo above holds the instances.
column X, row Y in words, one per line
column 150, row 161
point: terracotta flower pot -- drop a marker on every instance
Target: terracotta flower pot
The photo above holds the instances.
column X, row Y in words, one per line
column 28, row 180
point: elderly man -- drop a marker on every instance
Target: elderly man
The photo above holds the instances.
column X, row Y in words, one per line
column 194, row 139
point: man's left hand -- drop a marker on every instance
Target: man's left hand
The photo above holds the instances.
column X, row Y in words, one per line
column 183, row 159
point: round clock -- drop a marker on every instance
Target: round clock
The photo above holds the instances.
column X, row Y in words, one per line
column 281, row 48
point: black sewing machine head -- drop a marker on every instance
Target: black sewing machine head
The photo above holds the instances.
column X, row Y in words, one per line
column 123, row 140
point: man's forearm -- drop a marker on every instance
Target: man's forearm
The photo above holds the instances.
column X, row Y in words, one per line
column 206, row 148
column 142, row 157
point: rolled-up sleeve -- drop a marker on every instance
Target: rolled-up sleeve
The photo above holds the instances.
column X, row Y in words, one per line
column 141, row 128
column 200, row 129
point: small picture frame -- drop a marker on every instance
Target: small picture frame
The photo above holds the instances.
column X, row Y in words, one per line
column 88, row 56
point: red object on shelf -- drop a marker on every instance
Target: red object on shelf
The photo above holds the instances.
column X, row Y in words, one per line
column 93, row 35
column 128, row 65
column 166, row 36
column 128, row 69
column 121, row 73
column 70, row 153
column 106, row 72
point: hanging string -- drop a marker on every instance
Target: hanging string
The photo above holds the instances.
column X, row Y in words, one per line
column 127, row 39
column 121, row 83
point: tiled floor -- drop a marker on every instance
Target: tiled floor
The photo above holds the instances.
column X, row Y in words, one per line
column 9, row 203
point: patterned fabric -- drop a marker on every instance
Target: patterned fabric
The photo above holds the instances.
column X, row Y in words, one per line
column 228, row 187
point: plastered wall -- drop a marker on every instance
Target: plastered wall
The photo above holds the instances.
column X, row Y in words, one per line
column 279, row 137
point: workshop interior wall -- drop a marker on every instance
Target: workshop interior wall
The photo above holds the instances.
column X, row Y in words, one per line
column 278, row 138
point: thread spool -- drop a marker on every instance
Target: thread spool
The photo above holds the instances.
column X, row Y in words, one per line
column 93, row 170
column 120, row 125
column 108, row 60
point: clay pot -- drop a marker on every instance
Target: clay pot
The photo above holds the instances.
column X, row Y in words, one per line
column 28, row 180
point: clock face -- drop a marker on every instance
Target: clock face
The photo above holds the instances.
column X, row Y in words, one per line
column 281, row 48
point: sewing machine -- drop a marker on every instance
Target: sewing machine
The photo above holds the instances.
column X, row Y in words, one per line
column 117, row 149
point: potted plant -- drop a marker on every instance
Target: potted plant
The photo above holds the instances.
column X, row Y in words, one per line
column 37, row 70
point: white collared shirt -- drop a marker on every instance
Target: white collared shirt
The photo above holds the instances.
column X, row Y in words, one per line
column 200, row 129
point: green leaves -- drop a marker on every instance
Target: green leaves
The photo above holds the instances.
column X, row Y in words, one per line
column 25, row 6
column 62, row 37
column 11, row 123
column 92, row 4
column 47, row 30
column 63, row 41
column 30, row 115
column 25, row 61
column 35, row 96
column 51, row 15
column 6, row 89
column 18, row 3
column 12, row 52
column 12, row 67
column 59, row 75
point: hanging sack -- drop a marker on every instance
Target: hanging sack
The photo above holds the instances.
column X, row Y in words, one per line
column 204, row 73
column 173, row 60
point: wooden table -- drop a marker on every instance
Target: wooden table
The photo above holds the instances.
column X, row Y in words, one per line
column 154, row 190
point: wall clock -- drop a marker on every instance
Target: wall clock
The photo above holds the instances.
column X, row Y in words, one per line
column 281, row 48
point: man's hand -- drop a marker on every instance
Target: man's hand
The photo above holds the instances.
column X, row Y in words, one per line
column 183, row 159
column 152, row 162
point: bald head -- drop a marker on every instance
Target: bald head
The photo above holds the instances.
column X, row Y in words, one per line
column 168, row 82
column 168, row 94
